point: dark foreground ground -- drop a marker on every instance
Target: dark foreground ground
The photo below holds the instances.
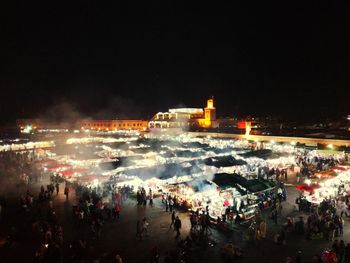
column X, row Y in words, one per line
column 118, row 237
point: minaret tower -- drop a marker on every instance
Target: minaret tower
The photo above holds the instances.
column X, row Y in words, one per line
column 210, row 113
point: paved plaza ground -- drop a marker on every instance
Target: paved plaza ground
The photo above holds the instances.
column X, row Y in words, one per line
column 119, row 237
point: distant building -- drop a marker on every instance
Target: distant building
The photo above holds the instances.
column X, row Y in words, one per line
column 42, row 125
column 32, row 125
column 114, row 125
column 186, row 117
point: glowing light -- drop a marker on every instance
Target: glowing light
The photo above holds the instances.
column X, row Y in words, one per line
column 330, row 146
column 210, row 104
column 27, row 129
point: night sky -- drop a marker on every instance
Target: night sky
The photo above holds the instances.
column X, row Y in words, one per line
column 104, row 61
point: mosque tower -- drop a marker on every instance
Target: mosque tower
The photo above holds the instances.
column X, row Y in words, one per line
column 210, row 114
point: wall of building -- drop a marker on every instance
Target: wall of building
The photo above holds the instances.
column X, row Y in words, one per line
column 111, row 125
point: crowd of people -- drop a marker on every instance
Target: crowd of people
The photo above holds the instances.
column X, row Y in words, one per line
column 94, row 206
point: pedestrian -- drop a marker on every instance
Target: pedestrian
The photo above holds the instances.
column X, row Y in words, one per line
column 192, row 220
column 150, row 197
column 57, row 188
column 279, row 208
column 263, row 228
column 171, row 204
column 285, row 175
column 257, row 234
column 66, row 191
column 340, row 226
column 145, row 225
column 173, row 217
column 335, row 246
column 116, row 211
column 274, row 215
column 118, row 259
column 177, row 226
column 154, row 255
column 166, row 205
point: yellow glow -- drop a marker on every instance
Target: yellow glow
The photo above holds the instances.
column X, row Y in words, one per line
column 210, row 103
column 248, row 128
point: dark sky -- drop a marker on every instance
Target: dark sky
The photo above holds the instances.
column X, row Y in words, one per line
column 104, row 61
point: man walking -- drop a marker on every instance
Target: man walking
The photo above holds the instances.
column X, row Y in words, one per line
column 171, row 204
column 177, row 226
column 57, row 188
column 166, row 205
column 66, row 191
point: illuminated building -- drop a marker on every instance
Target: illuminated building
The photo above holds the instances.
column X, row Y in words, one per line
column 114, row 125
column 186, row 117
column 42, row 125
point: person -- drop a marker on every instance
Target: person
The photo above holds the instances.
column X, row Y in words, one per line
column 238, row 219
column 263, row 228
column 118, row 259
column 274, row 215
column 57, row 188
column 298, row 257
column 192, row 220
column 66, row 191
column 166, row 205
column 171, row 204
column 281, row 238
column 257, row 234
column 145, row 226
column 340, row 226
column 177, row 226
column 154, row 255
column 289, row 260
column 173, row 217
column 335, row 246
column 150, row 197
column 279, row 208
column 116, row 211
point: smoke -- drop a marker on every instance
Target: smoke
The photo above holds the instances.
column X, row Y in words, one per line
column 62, row 115
column 200, row 185
column 120, row 108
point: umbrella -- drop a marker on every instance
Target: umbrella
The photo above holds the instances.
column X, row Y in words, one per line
column 58, row 166
column 339, row 168
column 307, row 187
column 73, row 171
